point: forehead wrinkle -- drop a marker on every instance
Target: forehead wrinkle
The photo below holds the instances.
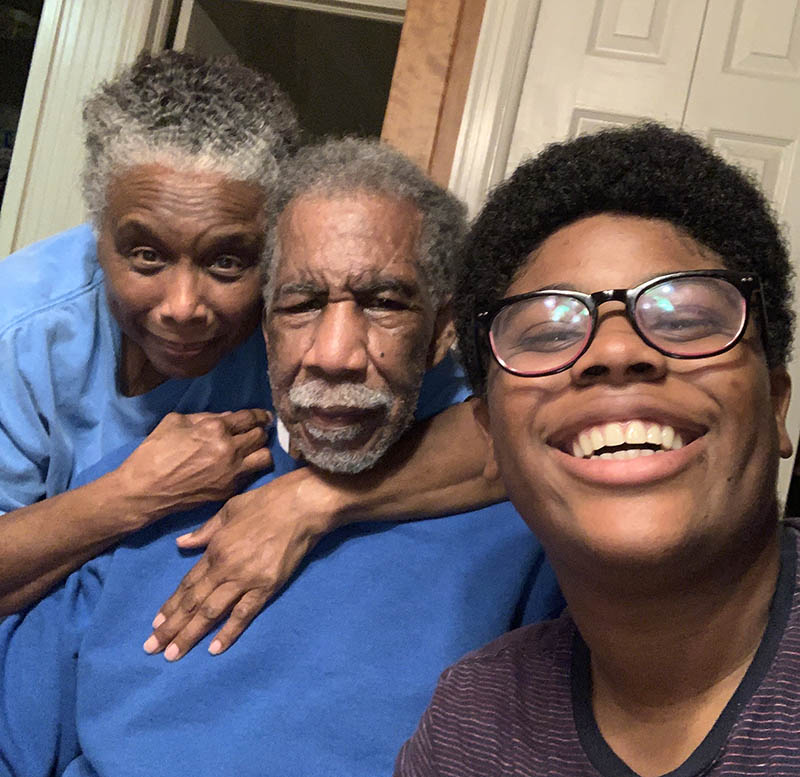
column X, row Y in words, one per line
column 314, row 280
column 154, row 188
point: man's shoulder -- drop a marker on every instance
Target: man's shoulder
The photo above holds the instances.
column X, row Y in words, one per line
column 47, row 274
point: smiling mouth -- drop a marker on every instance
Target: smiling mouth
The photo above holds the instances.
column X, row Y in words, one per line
column 179, row 346
column 628, row 440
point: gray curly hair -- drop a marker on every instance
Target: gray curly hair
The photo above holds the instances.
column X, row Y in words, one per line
column 356, row 164
column 177, row 109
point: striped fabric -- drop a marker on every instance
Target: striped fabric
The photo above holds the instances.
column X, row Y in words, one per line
column 511, row 708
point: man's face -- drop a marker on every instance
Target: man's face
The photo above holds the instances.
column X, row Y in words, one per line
column 180, row 252
column 729, row 411
column 349, row 328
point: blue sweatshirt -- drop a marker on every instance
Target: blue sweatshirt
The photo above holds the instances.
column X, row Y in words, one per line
column 329, row 679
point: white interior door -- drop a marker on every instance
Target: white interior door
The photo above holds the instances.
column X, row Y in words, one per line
column 600, row 62
column 745, row 100
column 728, row 70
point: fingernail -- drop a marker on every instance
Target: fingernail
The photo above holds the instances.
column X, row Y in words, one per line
column 151, row 645
column 158, row 620
column 171, row 653
column 215, row 647
column 184, row 536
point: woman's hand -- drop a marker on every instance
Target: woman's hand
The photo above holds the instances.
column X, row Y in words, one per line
column 254, row 543
column 191, row 459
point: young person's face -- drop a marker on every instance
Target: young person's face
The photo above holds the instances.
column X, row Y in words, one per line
column 729, row 410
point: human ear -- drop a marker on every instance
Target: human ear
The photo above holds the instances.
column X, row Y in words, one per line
column 780, row 393
column 444, row 335
column 481, row 412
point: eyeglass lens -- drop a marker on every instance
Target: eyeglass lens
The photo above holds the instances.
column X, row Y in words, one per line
column 690, row 317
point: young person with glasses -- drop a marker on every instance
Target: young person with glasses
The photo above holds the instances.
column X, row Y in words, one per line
column 625, row 318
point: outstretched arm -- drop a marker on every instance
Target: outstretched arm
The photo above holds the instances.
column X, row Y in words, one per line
column 186, row 460
column 258, row 538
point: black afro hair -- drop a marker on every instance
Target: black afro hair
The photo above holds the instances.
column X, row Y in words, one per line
column 645, row 170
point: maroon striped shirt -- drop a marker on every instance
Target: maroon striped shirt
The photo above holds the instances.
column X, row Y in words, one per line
column 521, row 706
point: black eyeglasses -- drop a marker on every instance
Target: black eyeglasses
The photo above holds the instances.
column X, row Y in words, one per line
column 685, row 315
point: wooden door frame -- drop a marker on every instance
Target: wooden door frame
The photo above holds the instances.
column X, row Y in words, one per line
column 431, row 79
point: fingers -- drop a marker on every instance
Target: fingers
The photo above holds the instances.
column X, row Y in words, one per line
column 245, row 420
column 179, row 608
column 202, row 536
column 260, row 459
column 206, row 616
column 251, row 440
column 178, row 634
column 248, row 606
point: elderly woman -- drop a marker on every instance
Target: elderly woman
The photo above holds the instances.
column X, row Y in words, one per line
column 633, row 297
column 145, row 325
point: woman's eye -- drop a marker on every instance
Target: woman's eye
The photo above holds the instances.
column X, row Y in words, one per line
column 227, row 265
column 144, row 258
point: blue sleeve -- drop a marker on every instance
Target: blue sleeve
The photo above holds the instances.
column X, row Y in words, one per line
column 107, row 464
column 442, row 386
column 38, row 666
column 24, row 437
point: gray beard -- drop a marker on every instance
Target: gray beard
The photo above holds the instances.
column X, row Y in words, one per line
column 323, row 395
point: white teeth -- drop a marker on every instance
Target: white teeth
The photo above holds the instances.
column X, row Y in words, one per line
column 635, row 432
column 613, row 434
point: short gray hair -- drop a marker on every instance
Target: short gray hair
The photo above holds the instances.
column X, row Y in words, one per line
column 355, row 164
column 185, row 112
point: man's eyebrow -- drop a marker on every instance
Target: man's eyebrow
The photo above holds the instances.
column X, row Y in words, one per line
column 298, row 287
column 379, row 285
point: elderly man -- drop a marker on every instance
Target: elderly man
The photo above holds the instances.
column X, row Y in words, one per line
column 633, row 295
column 333, row 675
column 153, row 311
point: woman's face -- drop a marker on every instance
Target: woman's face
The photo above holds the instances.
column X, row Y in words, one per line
column 180, row 252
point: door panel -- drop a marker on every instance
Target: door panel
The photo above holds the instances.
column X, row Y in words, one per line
column 745, row 100
column 596, row 63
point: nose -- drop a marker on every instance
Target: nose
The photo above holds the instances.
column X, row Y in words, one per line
column 618, row 355
column 339, row 346
column 183, row 300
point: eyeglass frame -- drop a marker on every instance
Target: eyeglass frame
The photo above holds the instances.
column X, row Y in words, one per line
column 745, row 283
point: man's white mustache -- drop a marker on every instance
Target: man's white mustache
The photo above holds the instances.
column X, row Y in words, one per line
column 321, row 394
